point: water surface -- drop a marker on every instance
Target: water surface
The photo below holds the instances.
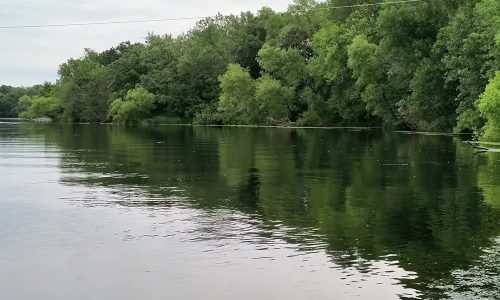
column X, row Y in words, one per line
column 102, row 212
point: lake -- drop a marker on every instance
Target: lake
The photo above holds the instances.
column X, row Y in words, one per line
column 171, row 212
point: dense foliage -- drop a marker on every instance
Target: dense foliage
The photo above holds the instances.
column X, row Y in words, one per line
column 39, row 107
column 420, row 65
column 137, row 105
column 11, row 105
column 489, row 106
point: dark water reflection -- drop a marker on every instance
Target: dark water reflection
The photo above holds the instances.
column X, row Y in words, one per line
column 224, row 213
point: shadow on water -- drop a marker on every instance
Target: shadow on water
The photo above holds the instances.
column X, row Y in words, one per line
column 426, row 201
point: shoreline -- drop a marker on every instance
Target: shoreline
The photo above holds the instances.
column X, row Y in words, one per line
column 360, row 128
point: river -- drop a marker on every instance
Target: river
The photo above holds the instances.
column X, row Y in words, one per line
column 180, row 212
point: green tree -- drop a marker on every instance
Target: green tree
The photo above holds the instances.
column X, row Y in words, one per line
column 127, row 70
column 366, row 63
column 84, row 89
column 286, row 65
column 274, row 100
column 39, row 107
column 406, row 35
column 431, row 105
column 9, row 97
column 237, row 100
column 489, row 106
column 24, row 103
column 135, row 107
column 290, row 68
column 466, row 46
column 333, row 97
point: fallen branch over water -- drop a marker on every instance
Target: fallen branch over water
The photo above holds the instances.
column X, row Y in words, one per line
column 477, row 147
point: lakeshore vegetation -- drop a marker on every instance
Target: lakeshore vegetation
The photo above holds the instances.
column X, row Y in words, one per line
column 431, row 65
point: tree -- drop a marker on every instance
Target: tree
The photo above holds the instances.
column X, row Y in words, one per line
column 39, row 107
column 274, row 100
column 135, row 107
column 126, row 71
column 489, row 106
column 406, row 35
column 333, row 98
column 9, row 97
column 365, row 61
column 286, row 65
column 24, row 103
column 237, row 100
column 248, row 33
column 290, row 68
column 84, row 89
column 431, row 105
column 466, row 46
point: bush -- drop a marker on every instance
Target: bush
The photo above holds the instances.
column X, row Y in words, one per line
column 208, row 116
column 39, row 107
column 237, row 99
column 489, row 106
column 274, row 99
column 136, row 107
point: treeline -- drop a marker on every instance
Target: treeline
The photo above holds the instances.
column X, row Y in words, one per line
column 11, row 105
column 421, row 65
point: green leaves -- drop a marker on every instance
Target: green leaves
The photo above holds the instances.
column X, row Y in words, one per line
column 39, row 107
column 287, row 65
column 237, row 99
column 367, row 66
column 275, row 100
column 468, row 50
column 365, row 60
column 135, row 107
column 10, row 106
column 247, row 101
column 330, row 53
column 489, row 106
column 83, row 89
column 431, row 105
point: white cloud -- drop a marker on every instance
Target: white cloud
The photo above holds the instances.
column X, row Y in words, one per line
column 30, row 56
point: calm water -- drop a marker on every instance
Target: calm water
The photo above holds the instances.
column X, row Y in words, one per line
column 101, row 212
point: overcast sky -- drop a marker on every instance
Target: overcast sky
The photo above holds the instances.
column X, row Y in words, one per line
column 31, row 56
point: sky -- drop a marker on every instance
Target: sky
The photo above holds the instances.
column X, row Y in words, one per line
column 30, row 56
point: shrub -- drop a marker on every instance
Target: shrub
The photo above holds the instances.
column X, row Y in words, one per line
column 135, row 107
